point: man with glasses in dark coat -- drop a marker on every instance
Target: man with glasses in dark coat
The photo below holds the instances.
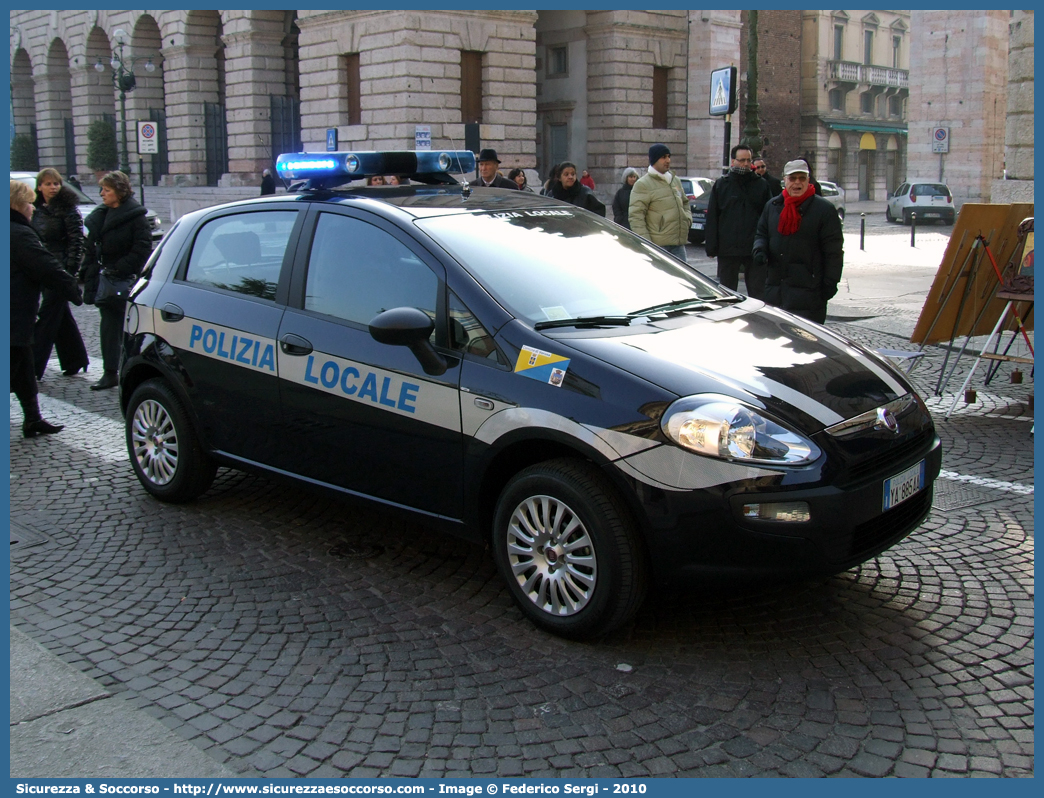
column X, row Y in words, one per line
column 735, row 204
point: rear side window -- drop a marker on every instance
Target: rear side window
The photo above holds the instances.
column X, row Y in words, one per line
column 242, row 253
column 356, row 270
column 829, row 191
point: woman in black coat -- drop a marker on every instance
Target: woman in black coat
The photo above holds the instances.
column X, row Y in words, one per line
column 57, row 221
column 622, row 200
column 569, row 189
column 32, row 268
column 118, row 243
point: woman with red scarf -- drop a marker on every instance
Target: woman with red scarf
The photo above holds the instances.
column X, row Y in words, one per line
column 800, row 244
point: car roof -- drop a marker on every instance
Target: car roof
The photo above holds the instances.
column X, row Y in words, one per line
column 417, row 201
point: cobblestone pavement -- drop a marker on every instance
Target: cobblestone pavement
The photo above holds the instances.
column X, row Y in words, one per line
column 292, row 635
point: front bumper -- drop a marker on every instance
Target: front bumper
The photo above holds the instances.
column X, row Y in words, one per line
column 696, row 535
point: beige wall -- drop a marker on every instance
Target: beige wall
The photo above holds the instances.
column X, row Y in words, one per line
column 961, row 60
column 1018, row 138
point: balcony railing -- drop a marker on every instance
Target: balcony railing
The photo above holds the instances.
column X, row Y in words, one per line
column 849, row 72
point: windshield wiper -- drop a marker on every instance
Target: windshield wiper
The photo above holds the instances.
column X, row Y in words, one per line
column 584, row 321
column 689, row 303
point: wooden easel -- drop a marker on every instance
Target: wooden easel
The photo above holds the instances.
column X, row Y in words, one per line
column 963, row 298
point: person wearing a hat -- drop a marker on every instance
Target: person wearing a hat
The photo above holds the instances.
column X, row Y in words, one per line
column 487, row 171
column 659, row 209
column 733, row 210
column 800, row 244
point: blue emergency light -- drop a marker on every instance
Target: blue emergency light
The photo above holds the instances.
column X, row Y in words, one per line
column 326, row 169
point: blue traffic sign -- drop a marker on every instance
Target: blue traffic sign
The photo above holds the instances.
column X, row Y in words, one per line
column 723, row 91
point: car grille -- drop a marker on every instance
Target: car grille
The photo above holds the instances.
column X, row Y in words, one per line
column 879, row 533
column 890, row 458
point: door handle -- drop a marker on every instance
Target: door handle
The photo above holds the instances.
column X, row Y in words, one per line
column 171, row 312
column 295, row 345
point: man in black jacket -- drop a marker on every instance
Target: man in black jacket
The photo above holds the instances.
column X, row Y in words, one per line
column 488, row 162
column 774, row 183
column 800, row 245
column 736, row 202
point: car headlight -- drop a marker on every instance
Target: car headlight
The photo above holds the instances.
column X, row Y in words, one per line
column 719, row 426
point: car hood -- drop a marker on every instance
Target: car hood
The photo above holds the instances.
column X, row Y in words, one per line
column 797, row 370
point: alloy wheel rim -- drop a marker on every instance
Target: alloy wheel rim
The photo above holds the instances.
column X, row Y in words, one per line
column 155, row 442
column 551, row 556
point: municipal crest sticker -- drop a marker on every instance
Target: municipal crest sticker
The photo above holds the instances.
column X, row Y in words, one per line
column 544, row 366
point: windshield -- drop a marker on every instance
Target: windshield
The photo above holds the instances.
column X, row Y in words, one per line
column 546, row 265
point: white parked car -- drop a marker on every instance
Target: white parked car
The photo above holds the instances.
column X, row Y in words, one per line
column 930, row 201
column 835, row 195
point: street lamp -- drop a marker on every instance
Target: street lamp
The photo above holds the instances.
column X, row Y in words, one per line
column 124, row 80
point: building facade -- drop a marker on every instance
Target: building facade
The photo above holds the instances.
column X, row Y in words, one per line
column 855, row 86
column 230, row 90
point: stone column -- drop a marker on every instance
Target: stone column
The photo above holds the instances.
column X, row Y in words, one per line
column 961, row 59
column 92, row 92
column 714, row 42
column 623, row 47
column 147, row 94
column 191, row 80
column 1018, row 139
column 254, row 71
column 53, row 104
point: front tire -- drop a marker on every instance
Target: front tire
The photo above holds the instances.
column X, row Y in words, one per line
column 568, row 549
column 888, row 214
column 164, row 449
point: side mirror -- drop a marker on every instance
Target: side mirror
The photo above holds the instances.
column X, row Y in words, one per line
column 411, row 328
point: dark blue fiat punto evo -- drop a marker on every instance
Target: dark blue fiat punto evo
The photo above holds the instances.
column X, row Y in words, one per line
column 522, row 373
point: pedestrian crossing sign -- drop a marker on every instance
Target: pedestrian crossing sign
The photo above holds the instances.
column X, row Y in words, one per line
column 723, row 91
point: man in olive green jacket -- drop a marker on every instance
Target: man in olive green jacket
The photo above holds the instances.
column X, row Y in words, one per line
column 659, row 209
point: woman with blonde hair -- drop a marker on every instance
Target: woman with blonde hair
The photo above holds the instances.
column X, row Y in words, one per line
column 118, row 245
column 57, row 221
column 32, row 268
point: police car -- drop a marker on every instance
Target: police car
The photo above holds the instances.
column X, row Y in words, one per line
column 519, row 372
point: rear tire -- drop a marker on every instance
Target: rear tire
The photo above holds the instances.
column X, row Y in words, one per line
column 569, row 550
column 164, row 449
column 907, row 218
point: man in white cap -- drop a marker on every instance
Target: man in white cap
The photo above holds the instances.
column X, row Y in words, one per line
column 800, row 244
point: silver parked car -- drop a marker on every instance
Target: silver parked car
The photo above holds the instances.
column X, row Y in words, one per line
column 835, row 195
column 930, row 201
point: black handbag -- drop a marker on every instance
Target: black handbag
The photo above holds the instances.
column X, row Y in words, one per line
column 113, row 290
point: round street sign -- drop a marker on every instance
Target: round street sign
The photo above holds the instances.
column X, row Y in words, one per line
column 940, row 139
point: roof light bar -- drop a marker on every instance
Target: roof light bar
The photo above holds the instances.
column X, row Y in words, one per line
column 330, row 167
